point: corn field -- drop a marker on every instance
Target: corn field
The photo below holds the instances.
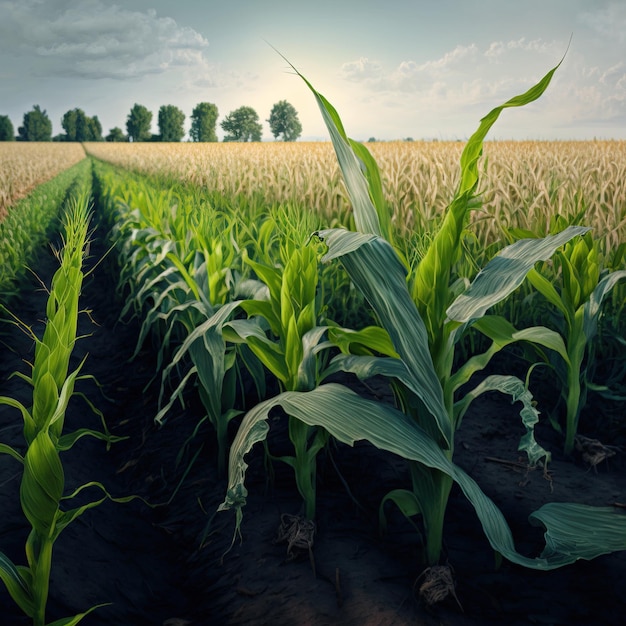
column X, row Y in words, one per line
column 267, row 278
column 24, row 165
column 526, row 184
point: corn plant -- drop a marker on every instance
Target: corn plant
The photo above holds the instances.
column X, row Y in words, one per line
column 419, row 335
column 578, row 298
column 283, row 331
column 179, row 269
column 43, row 483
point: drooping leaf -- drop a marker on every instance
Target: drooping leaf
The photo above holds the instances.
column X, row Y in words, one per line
column 572, row 531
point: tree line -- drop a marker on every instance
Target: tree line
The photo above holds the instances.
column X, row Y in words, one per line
column 242, row 124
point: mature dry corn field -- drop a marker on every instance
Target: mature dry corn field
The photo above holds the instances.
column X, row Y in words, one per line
column 24, row 165
column 526, row 184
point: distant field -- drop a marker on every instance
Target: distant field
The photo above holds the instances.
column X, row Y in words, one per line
column 24, row 165
column 526, row 184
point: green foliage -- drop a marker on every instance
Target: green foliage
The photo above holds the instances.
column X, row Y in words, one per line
column 576, row 289
column 116, row 134
column 80, row 127
column 138, row 123
column 418, row 356
column 31, row 223
column 242, row 124
column 171, row 121
column 283, row 120
column 203, row 121
column 6, row 129
column 36, row 126
column 43, row 481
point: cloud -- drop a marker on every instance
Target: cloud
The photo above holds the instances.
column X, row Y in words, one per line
column 91, row 39
column 360, row 70
column 471, row 79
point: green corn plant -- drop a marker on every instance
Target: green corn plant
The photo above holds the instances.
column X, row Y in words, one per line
column 578, row 298
column 421, row 320
column 283, row 332
column 43, row 482
column 177, row 266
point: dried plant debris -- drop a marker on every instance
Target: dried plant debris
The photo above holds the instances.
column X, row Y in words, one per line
column 593, row 451
column 438, row 584
column 299, row 534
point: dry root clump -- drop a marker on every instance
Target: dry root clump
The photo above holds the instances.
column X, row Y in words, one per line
column 438, row 584
column 592, row 451
column 299, row 534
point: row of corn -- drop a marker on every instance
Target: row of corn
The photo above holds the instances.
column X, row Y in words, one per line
column 226, row 286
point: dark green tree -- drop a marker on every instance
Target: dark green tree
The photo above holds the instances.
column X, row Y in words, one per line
column 94, row 129
column 36, row 127
column 284, row 121
column 242, row 124
column 171, row 120
column 138, row 123
column 203, row 120
column 81, row 127
column 6, row 129
column 116, row 134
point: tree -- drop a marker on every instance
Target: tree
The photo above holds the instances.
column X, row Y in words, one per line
column 171, row 120
column 6, row 129
column 203, row 120
column 94, row 129
column 242, row 124
column 81, row 127
column 284, row 121
column 37, row 126
column 116, row 134
column 138, row 123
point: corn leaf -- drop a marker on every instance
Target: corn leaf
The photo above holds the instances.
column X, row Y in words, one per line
column 6, row 449
column 432, row 276
column 572, row 532
column 17, row 585
column 594, row 304
column 505, row 272
column 514, row 387
column 378, row 273
column 367, row 216
column 42, row 483
column 503, row 333
column 72, row 621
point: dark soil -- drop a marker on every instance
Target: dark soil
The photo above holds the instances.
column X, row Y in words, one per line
column 154, row 568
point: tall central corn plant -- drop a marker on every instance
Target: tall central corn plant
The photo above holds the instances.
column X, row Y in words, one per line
column 43, row 481
column 420, row 323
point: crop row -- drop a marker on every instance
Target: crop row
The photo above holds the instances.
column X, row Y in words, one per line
column 242, row 287
column 230, row 289
column 25, row 165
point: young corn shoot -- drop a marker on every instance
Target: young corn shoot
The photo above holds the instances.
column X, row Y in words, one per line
column 43, row 481
column 578, row 297
column 288, row 351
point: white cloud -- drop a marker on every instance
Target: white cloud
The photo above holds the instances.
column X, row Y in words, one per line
column 363, row 69
column 91, row 39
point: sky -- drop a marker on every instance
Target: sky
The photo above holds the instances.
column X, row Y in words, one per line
column 393, row 69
